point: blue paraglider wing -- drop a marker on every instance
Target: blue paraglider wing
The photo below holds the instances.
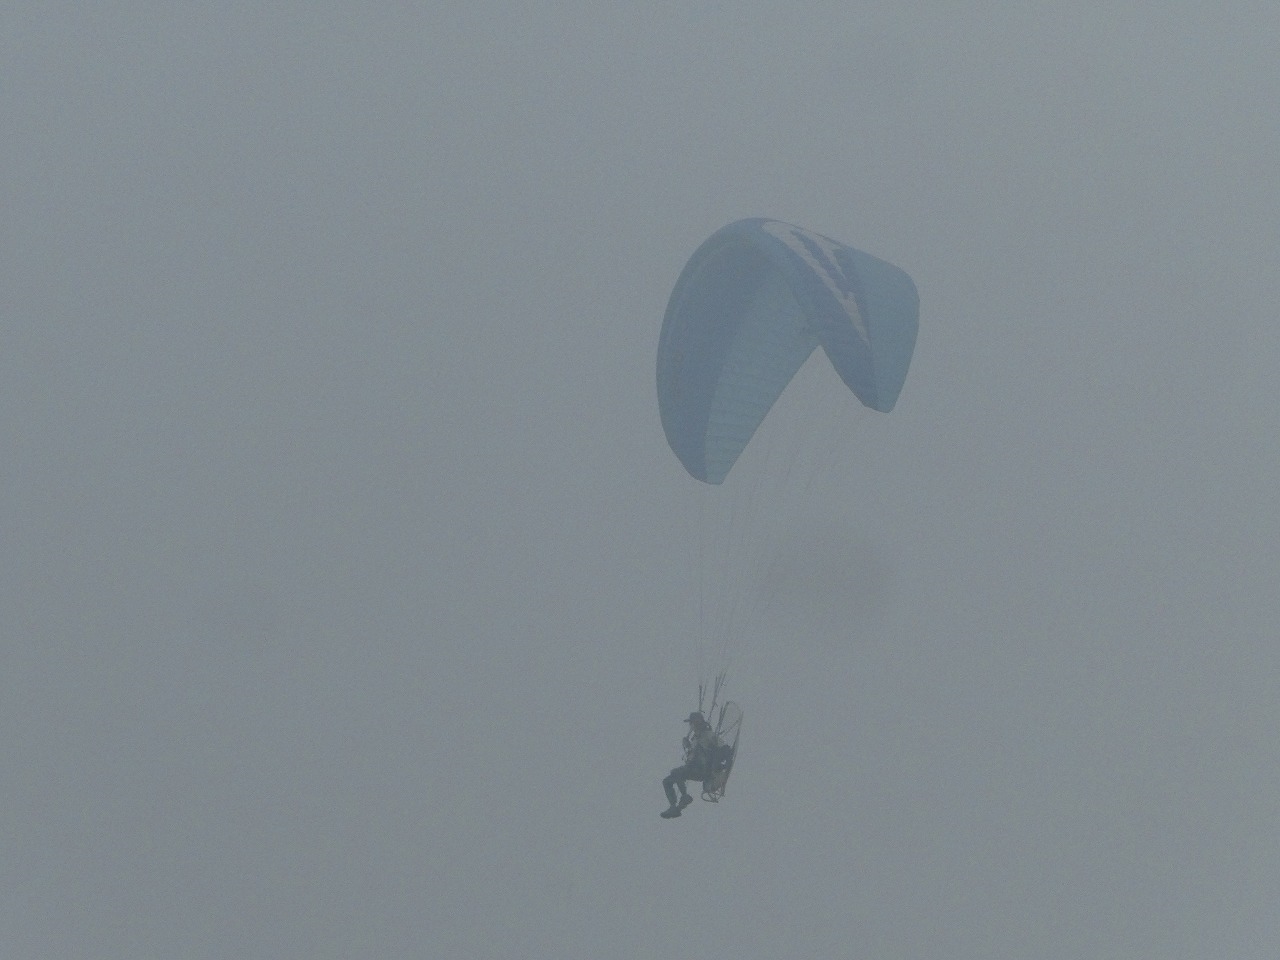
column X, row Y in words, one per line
column 750, row 306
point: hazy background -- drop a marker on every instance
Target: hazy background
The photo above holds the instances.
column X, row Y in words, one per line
column 344, row 566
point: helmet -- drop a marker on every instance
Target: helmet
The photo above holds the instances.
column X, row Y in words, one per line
column 696, row 717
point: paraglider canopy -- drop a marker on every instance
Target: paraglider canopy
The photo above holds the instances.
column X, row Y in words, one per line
column 750, row 306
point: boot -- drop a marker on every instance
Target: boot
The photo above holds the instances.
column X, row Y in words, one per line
column 685, row 801
column 672, row 811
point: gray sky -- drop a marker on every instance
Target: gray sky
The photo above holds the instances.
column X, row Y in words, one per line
column 344, row 587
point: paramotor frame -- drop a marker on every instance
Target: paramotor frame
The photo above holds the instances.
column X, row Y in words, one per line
column 727, row 728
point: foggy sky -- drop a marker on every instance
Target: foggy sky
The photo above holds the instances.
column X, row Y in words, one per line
column 345, row 573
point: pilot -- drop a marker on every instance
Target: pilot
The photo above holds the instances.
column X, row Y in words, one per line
column 699, row 748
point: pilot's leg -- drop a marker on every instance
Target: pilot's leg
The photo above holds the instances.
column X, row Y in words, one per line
column 669, row 785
